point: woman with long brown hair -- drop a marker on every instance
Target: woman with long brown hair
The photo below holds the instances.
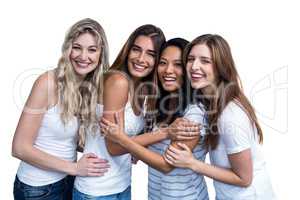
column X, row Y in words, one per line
column 233, row 134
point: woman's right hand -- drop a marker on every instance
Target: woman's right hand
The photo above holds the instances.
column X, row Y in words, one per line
column 91, row 165
column 183, row 129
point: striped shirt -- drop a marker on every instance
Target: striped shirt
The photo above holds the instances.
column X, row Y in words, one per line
column 180, row 183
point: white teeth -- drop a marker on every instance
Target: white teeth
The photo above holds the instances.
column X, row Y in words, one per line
column 82, row 64
column 139, row 66
column 197, row 75
column 169, row 79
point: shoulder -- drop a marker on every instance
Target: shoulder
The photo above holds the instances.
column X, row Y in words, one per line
column 46, row 81
column 44, row 88
column 234, row 111
column 116, row 80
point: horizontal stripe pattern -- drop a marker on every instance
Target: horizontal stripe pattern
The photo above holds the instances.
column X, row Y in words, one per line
column 183, row 184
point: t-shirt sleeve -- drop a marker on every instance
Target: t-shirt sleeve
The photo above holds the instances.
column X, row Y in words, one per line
column 235, row 129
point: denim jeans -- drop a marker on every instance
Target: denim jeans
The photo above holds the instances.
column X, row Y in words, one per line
column 125, row 195
column 61, row 190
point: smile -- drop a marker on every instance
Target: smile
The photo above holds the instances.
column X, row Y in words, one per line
column 82, row 64
column 138, row 67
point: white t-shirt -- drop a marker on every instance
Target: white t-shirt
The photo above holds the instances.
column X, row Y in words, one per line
column 237, row 134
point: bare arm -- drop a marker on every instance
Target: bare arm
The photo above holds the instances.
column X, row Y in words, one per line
column 240, row 173
column 41, row 97
column 117, row 84
column 155, row 160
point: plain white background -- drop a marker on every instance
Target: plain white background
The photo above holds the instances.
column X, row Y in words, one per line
column 264, row 37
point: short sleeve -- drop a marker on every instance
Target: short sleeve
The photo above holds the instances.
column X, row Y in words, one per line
column 196, row 113
column 235, row 129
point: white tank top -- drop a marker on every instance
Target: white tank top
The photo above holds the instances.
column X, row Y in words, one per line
column 118, row 177
column 56, row 139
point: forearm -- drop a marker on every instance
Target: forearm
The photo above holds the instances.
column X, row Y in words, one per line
column 143, row 139
column 224, row 175
column 38, row 158
column 153, row 159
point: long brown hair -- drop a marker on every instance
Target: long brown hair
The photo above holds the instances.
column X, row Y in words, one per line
column 120, row 64
column 228, row 88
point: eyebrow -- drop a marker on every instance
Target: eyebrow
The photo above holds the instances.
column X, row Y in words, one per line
column 205, row 57
column 148, row 50
column 77, row 44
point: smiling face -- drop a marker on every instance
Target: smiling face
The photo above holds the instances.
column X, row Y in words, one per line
column 85, row 54
column 200, row 67
column 141, row 57
column 170, row 69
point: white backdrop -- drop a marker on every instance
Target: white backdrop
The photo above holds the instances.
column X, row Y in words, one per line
column 263, row 35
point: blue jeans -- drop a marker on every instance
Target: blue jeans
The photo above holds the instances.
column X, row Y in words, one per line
column 125, row 195
column 61, row 190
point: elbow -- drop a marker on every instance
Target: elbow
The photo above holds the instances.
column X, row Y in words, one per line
column 17, row 151
column 166, row 169
column 114, row 151
column 246, row 182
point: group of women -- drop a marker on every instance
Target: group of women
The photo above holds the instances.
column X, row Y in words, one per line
column 167, row 103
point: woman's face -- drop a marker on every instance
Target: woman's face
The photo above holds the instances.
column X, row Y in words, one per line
column 85, row 54
column 141, row 57
column 170, row 69
column 200, row 67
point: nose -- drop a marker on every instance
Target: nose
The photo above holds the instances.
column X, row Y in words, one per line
column 141, row 57
column 83, row 55
column 169, row 69
column 196, row 65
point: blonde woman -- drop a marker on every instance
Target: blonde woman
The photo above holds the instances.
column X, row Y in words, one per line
column 62, row 104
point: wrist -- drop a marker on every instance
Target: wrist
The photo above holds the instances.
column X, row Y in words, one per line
column 72, row 169
column 192, row 164
column 164, row 133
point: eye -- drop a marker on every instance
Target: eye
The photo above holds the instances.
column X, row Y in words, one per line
column 190, row 59
column 92, row 50
column 205, row 61
column 75, row 47
column 151, row 54
column 162, row 62
column 178, row 64
column 135, row 49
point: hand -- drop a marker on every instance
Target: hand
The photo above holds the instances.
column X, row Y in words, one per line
column 183, row 129
column 179, row 158
column 91, row 165
column 111, row 130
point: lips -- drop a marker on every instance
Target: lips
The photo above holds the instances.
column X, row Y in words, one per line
column 139, row 68
column 82, row 64
column 197, row 76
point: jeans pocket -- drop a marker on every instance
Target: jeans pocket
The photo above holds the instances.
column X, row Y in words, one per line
column 38, row 192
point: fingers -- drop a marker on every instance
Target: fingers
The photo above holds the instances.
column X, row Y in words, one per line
column 183, row 146
column 90, row 155
column 96, row 172
column 168, row 159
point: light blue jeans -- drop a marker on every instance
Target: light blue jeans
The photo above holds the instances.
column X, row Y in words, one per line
column 125, row 195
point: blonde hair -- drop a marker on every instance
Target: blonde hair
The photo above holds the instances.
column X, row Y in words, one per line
column 81, row 100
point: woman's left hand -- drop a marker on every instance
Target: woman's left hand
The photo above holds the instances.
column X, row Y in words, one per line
column 179, row 158
column 111, row 130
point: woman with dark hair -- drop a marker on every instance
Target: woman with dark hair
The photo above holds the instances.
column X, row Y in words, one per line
column 234, row 135
column 164, row 181
column 127, row 85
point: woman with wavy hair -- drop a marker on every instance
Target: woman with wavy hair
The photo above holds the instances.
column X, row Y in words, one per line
column 61, row 105
column 234, row 134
